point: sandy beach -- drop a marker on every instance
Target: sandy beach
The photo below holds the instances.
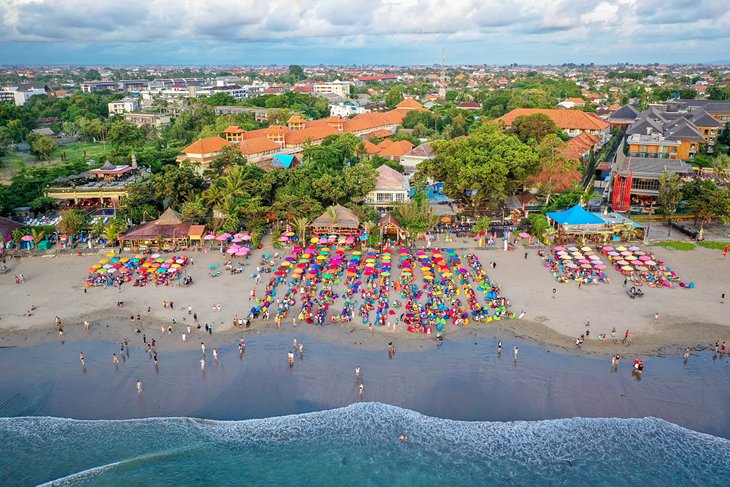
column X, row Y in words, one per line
column 687, row 317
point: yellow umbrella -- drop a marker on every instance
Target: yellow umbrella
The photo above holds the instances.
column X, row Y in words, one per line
column 620, row 249
column 110, row 254
column 627, row 268
column 96, row 266
column 585, row 249
column 104, row 261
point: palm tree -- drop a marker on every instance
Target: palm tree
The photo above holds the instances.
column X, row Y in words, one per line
column 300, row 226
column 37, row 235
column 332, row 213
column 214, row 196
column 368, row 226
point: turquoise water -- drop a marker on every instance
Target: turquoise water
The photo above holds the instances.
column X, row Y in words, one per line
column 358, row 445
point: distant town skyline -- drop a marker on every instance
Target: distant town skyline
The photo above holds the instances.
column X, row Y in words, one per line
column 399, row 32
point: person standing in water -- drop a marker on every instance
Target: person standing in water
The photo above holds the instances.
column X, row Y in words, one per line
column 516, row 350
column 686, row 354
column 139, row 386
column 499, row 347
column 81, row 357
column 116, row 361
column 361, row 390
column 357, row 372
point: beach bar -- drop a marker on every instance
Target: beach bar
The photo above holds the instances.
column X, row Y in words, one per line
column 577, row 222
column 166, row 232
column 336, row 220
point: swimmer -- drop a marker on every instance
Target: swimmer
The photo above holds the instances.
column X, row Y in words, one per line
column 499, row 346
column 403, row 438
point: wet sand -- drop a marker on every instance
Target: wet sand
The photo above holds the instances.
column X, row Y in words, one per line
column 462, row 379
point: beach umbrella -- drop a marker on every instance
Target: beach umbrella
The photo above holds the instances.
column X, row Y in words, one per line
column 245, row 250
column 232, row 250
column 314, row 240
column 154, row 256
column 350, row 240
column 608, row 248
column 586, row 266
column 221, row 237
column 524, row 235
column 621, row 248
column 210, row 236
column 600, row 266
column 101, row 271
column 583, row 261
column 241, row 252
column 644, row 257
column 560, row 247
column 246, row 237
column 639, row 253
column 236, row 239
column 96, row 266
column 111, row 270
column 635, row 262
column 213, row 266
column 642, row 268
column 634, row 248
column 573, row 249
column 585, row 249
column 283, row 239
column 627, row 268
column 29, row 238
column 649, row 262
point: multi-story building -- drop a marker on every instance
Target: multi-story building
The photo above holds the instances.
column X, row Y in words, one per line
column 339, row 88
column 391, row 188
column 156, row 120
column 346, row 109
column 21, row 93
column 125, row 105
column 122, row 86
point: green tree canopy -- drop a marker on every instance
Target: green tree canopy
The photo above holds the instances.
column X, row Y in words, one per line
column 125, row 138
column 482, row 168
column 533, row 128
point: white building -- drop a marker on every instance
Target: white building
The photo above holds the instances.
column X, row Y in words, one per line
column 339, row 88
column 154, row 119
column 415, row 156
column 346, row 109
column 391, row 188
column 21, row 93
column 125, row 105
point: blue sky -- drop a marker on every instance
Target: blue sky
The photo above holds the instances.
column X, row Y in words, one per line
column 361, row 32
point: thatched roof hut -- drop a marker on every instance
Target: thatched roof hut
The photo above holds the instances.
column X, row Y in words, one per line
column 336, row 220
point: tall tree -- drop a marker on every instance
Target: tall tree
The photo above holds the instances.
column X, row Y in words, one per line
column 43, row 147
column 533, row 128
column 125, row 138
column 482, row 168
column 670, row 193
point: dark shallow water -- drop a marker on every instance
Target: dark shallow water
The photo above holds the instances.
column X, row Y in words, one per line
column 462, row 380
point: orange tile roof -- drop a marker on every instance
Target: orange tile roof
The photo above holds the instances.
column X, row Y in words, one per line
column 310, row 133
column 259, row 145
column 296, row 119
column 409, row 104
column 207, row 145
column 565, row 119
column 397, row 148
column 233, row 129
column 379, row 134
column 576, row 147
column 272, row 130
column 369, row 147
column 385, row 143
column 577, row 100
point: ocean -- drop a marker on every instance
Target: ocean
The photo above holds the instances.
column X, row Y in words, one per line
column 551, row 418
column 358, row 445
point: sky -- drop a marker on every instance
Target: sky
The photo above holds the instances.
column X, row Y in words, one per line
column 403, row 32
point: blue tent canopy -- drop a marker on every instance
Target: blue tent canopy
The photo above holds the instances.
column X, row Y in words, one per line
column 282, row 160
column 575, row 216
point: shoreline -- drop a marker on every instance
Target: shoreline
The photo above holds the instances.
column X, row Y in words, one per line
column 117, row 328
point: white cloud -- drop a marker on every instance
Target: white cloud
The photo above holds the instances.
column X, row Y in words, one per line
column 354, row 23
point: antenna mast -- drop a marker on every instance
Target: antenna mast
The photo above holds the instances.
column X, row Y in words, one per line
column 442, row 78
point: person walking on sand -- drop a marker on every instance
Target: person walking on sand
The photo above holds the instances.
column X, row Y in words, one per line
column 190, row 310
column 87, row 326
column 184, row 337
column 139, row 386
column 723, row 348
column 656, row 317
column 626, row 336
column 613, row 335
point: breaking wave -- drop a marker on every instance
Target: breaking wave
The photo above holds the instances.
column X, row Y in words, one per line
column 358, row 444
